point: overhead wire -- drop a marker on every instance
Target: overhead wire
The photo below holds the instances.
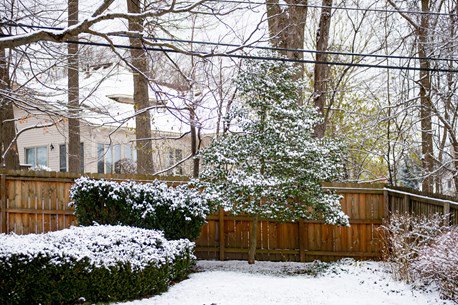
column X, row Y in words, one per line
column 248, row 46
column 257, row 57
column 346, row 8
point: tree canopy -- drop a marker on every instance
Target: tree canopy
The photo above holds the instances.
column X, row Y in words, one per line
column 271, row 166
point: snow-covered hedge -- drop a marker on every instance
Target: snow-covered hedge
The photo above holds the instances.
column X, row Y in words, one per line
column 95, row 263
column 439, row 263
column 180, row 212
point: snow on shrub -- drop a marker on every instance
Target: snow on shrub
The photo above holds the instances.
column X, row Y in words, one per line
column 102, row 246
column 97, row 263
column 405, row 236
column 179, row 212
column 439, row 263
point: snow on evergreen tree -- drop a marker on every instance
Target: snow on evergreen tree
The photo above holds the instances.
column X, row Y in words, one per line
column 409, row 174
column 272, row 167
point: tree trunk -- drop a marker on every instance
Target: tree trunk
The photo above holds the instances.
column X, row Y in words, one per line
column 455, row 164
column 287, row 29
column 7, row 124
column 253, row 240
column 321, row 70
column 425, row 101
column 74, row 136
column 194, row 144
column 141, row 96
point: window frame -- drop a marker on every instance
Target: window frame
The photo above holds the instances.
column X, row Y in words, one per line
column 65, row 145
column 112, row 150
column 35, row 148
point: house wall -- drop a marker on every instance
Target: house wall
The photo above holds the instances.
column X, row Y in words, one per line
column 448, row 185
column 91, row 137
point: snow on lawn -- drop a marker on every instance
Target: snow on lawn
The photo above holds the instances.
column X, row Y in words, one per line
column 268, row 283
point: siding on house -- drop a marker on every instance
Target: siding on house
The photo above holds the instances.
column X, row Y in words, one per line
column 54, row 136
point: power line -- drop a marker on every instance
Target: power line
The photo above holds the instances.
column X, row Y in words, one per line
column 252, row 57
column 248, row 46
column 337, row 7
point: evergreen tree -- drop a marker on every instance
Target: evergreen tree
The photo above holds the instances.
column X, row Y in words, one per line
column 409, row 174
column 272, row 167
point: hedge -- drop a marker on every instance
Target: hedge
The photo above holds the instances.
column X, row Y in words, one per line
column 179, row 212
column 92, row 264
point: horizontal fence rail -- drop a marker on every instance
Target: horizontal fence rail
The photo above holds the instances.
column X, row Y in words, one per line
column 37, row 202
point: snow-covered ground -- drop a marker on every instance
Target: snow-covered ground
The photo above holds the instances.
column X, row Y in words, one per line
column 268, row 283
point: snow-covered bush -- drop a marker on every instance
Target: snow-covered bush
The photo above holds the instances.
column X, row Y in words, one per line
column 405, row 237
column 97, row 263
column 438, row 263
column 180, row 212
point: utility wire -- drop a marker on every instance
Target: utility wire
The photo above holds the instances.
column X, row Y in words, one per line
column 247, row 46
column 252, row 57
column 336, row 7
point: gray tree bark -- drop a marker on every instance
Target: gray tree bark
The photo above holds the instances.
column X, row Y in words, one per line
column 422, row 31
column 321, row 71
column 74, row 137
column 425, row 100
column 7, row 123
column 141, row 96
column 194, row 144
column 287, row 28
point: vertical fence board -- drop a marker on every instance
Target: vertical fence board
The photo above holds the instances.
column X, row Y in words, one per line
column 3, row 205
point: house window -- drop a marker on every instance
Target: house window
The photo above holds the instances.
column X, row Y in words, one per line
column 63, row 157
column 36, row 156
column 175, row 155
column 107, row 156
column 100, row 159
column 130, row 153
column 449, row 184
column 178, row 157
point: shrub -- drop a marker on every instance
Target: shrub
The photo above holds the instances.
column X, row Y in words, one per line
column 439, row 263
column 405, row 236
column 180, row 212
column 97, row 264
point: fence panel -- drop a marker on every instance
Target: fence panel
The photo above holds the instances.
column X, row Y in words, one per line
column 419, row 204
column 38, row 202
column 302, row 240
column 36, row 205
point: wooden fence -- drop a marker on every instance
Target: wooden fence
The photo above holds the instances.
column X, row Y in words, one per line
column 227, row 237
column 37, row 202
column 34, row 202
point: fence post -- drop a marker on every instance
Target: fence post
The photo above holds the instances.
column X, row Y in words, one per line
column 221, row 234
column 407, row 204
column 301, row 240
column 386, row 204
column 447, row 213
column 3, row 204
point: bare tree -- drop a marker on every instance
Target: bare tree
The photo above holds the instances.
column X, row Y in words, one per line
column 422, row 32
column 144, row 144
column 321, row 75
column 287, row 26
column 9, row 157
column 74, row 138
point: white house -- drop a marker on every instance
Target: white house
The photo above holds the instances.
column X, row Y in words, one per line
column 107, row 125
